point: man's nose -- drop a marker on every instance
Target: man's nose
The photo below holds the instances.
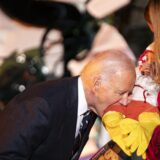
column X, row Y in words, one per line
column 125, row 99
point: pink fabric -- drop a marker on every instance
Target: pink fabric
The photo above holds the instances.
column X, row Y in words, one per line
column 153, row 152
column 158, row 101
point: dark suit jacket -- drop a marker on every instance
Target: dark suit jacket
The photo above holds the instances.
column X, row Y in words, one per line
column 40, row 123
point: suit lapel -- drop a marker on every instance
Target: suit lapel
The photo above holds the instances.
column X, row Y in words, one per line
column 70, row 117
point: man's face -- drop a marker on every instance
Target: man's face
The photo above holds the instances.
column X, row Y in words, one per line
column 117, row 90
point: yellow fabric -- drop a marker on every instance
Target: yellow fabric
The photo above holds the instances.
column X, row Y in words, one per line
column 131, row 135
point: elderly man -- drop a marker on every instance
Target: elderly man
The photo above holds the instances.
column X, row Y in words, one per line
column 52, row 120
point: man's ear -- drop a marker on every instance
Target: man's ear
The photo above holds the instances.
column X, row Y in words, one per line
column 96, row 82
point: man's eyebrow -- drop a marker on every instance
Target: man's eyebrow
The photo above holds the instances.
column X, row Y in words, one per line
column 121, row 90
column 125, row 91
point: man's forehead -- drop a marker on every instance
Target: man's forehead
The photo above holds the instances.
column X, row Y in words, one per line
column 124, row 84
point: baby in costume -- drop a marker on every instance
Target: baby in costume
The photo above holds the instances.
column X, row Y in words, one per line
column 132, row 126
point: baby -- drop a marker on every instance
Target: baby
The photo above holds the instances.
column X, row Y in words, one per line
column 132, row 126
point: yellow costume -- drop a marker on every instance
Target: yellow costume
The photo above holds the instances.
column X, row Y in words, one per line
column 131, row 135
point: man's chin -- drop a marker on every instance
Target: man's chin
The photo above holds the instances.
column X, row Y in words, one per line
column 94, row 110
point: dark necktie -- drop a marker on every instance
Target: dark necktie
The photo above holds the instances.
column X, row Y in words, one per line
column 88, row 118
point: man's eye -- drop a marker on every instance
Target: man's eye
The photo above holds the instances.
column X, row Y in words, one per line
column 130, row 93
column 121, row 93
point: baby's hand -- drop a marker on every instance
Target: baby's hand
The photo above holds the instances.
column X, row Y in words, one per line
column 146, row 69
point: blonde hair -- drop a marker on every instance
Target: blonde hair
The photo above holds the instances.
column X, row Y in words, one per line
column 152, row 16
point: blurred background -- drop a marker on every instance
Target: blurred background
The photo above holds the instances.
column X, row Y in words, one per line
column 50, row 39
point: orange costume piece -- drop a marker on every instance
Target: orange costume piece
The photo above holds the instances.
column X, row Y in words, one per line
column 133, row 109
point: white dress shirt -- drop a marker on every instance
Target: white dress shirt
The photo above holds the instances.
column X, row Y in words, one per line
column 82, row 105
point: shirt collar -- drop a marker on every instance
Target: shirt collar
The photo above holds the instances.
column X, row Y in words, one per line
column 82, row 103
